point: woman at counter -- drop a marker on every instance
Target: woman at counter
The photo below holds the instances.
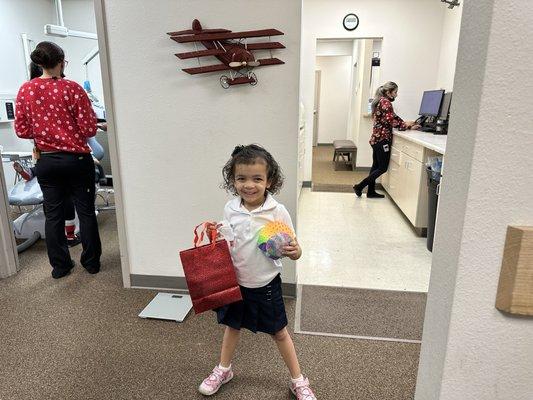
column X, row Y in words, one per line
column 381, row 140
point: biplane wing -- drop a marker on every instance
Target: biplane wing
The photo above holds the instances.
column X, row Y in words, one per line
column 207, row 68
column 200, row 53
column 226, row 35
column 192, row 32
column 270, row 61
column 264, row 46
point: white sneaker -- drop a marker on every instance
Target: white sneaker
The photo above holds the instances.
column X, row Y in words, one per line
column 302, row 391
column 215, row 380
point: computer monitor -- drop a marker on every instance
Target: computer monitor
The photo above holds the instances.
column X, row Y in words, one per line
column 431, row 101
column 445, row 107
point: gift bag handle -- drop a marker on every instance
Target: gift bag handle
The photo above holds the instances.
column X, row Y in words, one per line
column 198, row 239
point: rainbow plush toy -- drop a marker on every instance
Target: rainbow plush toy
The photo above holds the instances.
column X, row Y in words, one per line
column 272, row 237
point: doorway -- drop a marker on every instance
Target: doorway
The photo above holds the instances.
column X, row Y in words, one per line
column 27, row 218
column 366, row 253
column 344, row 80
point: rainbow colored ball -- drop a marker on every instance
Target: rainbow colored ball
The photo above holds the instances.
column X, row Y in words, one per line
column 273, row 237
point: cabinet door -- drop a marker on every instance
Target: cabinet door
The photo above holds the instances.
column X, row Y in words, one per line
column 393, row 179
column 385, row 180
column 411, row 176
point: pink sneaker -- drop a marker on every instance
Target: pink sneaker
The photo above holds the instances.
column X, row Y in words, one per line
column 302, row 391
column 215, row 380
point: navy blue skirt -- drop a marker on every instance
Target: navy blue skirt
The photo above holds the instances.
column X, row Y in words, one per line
column 260, row 310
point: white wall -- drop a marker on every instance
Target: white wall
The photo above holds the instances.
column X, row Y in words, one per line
column 470, row 350
column 334, row 47
column 335, row 96
column 15, row 20
column 361, row 124
column 79, row 15
column 175, row 131
column 411, row 30
column 448, row 48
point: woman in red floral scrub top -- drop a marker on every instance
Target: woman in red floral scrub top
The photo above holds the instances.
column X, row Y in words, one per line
column 57, row 115
column 381, row 140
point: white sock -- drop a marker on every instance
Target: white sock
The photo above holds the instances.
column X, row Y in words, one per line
column 299, row 379
column 224, row 369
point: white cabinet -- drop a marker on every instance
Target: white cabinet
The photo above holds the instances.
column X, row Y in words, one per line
column 405, row 180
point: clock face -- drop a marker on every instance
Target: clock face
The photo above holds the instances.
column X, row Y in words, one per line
column 350, row 22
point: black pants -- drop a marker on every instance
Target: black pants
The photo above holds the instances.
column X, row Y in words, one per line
column 63, row 176
column 70, row 213
column 380, row 163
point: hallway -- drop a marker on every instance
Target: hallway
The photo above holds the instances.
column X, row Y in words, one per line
column 359, row 242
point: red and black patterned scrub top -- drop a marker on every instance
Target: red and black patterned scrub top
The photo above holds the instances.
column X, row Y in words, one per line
column 384, row 121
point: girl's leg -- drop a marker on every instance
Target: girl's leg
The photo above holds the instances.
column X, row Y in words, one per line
column 229, row 344
column 288, row 352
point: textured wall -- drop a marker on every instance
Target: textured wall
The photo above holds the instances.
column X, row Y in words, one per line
column 175, row 131
column 470, row 350
column 411, row 32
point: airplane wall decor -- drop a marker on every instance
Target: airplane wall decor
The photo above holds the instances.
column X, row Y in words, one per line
column 231, row 49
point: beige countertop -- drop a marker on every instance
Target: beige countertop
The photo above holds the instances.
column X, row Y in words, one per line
column 426, row 139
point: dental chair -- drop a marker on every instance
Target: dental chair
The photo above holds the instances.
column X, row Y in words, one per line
column 103, row 193
column 30, row 224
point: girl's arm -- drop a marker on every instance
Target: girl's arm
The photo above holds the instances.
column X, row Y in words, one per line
column 293, row 250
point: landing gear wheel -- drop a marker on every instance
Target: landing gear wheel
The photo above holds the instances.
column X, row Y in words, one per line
column 224, row 81
column 253, row 78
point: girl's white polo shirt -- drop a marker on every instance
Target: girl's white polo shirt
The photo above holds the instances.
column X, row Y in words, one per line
column 241, row 228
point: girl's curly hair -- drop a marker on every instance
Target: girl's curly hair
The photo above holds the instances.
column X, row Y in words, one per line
column 249, row 155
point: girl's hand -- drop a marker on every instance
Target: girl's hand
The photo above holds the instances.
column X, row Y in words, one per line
column 212, row 230
column 293, row 250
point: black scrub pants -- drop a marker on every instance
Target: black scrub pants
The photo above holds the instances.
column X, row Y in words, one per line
column 64, row 175
column 380, row 163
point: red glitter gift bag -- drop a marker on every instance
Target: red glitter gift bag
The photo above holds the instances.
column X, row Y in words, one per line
column 210, row 273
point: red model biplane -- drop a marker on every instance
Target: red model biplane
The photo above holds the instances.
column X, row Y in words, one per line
column 231, row 48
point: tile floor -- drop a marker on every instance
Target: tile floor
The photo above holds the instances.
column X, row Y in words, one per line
column 359, row 242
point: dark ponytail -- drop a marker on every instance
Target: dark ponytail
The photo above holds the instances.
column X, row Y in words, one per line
column 35, row 71
column 47, row 55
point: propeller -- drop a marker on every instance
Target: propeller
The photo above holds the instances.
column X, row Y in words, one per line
column 237, row 64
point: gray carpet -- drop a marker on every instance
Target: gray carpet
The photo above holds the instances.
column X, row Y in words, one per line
column 363, row 312
column 80, row 338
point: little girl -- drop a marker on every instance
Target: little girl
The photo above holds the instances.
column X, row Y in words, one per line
column 253, row 176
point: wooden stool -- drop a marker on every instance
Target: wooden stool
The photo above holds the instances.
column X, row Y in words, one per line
column 346, row 150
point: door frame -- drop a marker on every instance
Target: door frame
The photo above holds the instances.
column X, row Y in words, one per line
column 114, row 152
column 9, row 262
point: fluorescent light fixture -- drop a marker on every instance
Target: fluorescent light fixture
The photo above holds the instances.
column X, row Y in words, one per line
column 55, row 30
column 63, row 31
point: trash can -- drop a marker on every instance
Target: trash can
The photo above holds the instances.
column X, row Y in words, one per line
column 433, row 199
